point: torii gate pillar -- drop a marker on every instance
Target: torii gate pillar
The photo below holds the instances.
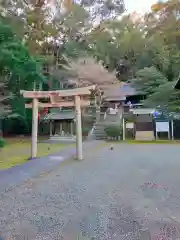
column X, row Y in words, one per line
column 34, row 128
column 79, row 154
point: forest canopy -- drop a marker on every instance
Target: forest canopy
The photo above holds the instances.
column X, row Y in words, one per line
column 39, row 38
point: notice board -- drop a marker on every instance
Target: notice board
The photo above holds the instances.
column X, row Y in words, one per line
column 162, row 126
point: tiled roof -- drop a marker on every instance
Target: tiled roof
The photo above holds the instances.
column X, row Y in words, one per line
column 118, row 90
column 143, row 110
column 177, row 86
column 61, row 115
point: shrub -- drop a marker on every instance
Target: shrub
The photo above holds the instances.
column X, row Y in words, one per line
column 2, row 142
column 85, row 131
column 113, row 131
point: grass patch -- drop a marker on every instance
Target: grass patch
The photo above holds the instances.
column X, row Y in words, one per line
column 18, row 150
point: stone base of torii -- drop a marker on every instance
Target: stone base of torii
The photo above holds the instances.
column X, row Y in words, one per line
column 61, row 98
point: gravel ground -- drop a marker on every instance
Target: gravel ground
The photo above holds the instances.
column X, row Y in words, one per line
column 15, row 176
column 129, row 193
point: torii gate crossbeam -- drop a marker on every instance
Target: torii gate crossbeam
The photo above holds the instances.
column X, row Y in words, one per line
column 58, row 99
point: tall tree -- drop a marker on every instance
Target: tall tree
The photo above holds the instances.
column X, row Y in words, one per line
column 87, row 71
column 18, row 69
column 148, row 80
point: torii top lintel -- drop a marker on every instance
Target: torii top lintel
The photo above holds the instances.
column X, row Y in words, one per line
column 61, row 93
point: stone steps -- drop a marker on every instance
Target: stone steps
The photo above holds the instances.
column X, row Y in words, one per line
column 105, row 119
column 63, row 138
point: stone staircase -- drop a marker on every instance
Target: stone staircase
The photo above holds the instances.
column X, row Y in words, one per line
column 98, row 132
column 110, row 119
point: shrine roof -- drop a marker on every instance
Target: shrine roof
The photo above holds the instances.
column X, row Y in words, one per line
column 143, row 111
column 177, row 86
column 61, row 115
column 119, row 91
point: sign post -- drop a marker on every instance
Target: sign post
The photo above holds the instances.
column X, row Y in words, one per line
column 162, row 127
column 124, row 129
column 172, row 129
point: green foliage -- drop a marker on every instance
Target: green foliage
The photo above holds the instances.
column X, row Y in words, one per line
column 16, row 62
column 15, row 58
column 74, row 49
column 85, row 131
column 148, row 80
column 18, row 70
column 165, row 97
column 160, row 92
column 2, row 142
column 16, row 125
column 113, row 131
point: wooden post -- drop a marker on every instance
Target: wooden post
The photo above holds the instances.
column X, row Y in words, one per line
column 156, row 137
column 169, row 136
column 79, row 155
column 172, row 129
column 156, row 133
column 124, row 129
column 34, row 128
column 61, row 128
column 71, row 128
column 50, row 126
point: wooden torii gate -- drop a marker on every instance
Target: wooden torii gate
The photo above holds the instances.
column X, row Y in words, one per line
column 61, row 98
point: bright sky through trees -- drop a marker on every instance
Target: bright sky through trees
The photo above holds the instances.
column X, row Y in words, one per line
column 140, row 6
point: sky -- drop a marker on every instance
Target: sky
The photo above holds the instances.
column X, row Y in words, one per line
column 140, row 6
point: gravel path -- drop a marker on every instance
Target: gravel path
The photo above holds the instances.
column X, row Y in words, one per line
column 128, row 193
column 15, row 176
